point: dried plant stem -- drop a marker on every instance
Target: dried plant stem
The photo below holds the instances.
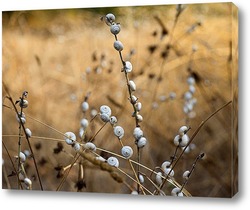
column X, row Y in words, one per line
column 193, row 136
column 132, row 168
column 26, row 136
column 191, row 171
column 135, row 181
column 13, row 165
column 76, row 157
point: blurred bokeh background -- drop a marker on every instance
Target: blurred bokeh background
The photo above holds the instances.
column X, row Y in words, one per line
column 61, row 56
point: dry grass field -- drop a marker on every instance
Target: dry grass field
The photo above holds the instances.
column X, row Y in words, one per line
column 62, row 56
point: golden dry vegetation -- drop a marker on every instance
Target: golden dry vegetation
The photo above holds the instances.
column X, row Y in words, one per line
column 60, row 56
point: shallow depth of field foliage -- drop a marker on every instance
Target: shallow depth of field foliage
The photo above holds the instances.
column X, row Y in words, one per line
column 63, row 57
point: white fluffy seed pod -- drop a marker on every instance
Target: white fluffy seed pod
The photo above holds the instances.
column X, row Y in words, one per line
column 183, row 130
column 90, row 146
column 93, row 112
column 28, row 132
column 184, row 140
column 27, row 182
column 186, row 174
column 188, row 95
column 22, row 116
column 27, row 153
column 105, row 109
column 77, row 146
column 115, row 29
column 69, row 137
column 100, row 158
column 109, row 19
column 138, row 133
column 23, row 103
column 133, row 99
column 165, row 164
column 22, row 157
column 141, row 179
column 119, row 131
column 139, row 117
column 141, row 142
column 132, row 85
column 105, row 117
column 85, row 106
column 192, row 89
column 166, row 167
column 84, row 123
column 181, row 140
column 128, row 67
column 127, row 152
column 113, row 120
column 167, row 172
column 177, row 192
column 113, row 161
column 118, row 45
column 191, row 80
column 81, row 132
column 138, row 106
column 158, row 178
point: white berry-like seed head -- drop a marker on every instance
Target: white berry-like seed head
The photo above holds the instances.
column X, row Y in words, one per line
column 84, row 123
column 139, row 118
column 127, row 152
column 177, row 192
column 113, row 120
column 22, row 157
column 141, row 142
column 138, row 106
column 141, row 178
column 27, row 182
column 69, row 137
column 90, row 146
column 109, row 19
column 183, row 130
column 128, row 67
column 132, row 85
column 138, row 133
column 113, row 161
column 119, row 131
column 85, row 106
column 115, row 29
column 28, row 132
column 23, row 103
column 22, row 117
column 77, row 146
column 105, row 117
column 133, row 99
column 118, row 45
column 105, row 109
column 191, row 80
column 158, row 178
column 186, row 174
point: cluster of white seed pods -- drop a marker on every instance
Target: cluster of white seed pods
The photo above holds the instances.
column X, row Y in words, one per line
column 84, row 123
column 70, row 139
column 105, row 113
column 22, row 173
column 113, row 161
column 177, row 192
column 182, row 138
column 115, row 29
column 167, row 169
column 190, row 100
column 140, row 140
